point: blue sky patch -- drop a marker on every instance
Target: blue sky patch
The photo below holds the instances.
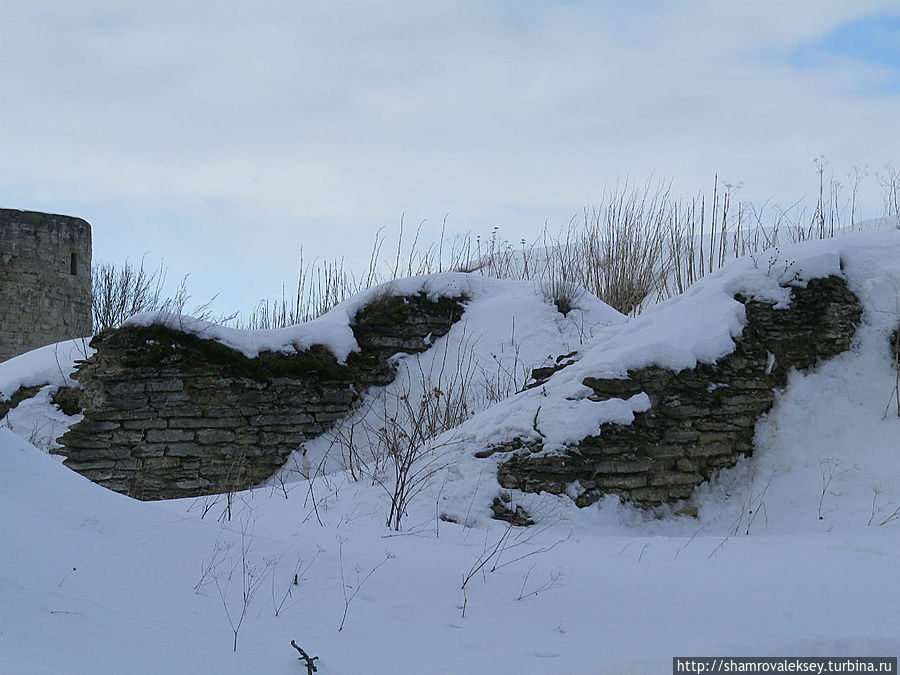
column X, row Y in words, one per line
column 874, row 40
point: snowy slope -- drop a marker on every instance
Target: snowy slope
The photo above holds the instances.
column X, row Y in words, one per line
column 612, row 603
column 788, row 554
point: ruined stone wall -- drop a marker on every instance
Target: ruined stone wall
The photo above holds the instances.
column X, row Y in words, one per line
column 45, row 280
column 700, row 420
column 167, row 414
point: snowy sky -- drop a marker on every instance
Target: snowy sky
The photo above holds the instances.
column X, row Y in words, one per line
column 224, row 136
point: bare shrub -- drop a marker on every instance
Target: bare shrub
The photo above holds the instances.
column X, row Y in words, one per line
column 876, row 491
column 553, row 581
column 280, row 600
column 560, row 276
column 488, row 553
column 617, row 251
column 895, row 515
column 322, row 284
column 353, row 437
column 889, row 180
column 208, row 566
column 428, row 404
column 622, row 249
column 350, row 590
column 118, row 292
column 395, row 435
column 517, row 540
column 706, row 233
column 753, row 503
column 235, row 481
column 121, row 291
column 506, row 375
column 250, row 574
column 855, row 178
column 639, row 245
column 413, row 457
column 829, row 469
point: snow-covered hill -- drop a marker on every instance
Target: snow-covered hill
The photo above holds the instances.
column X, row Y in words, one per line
column 795, row 551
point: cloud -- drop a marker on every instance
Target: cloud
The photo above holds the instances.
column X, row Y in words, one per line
column 316, row 123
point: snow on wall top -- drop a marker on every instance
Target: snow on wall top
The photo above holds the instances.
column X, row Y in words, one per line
column 490, row 299
column 333, row 329
column 695, row 327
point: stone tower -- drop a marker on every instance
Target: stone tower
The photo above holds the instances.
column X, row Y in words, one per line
column 45, row 280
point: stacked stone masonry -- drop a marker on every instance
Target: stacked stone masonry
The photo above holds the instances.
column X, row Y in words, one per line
column 701, row 420
column 167, row 414
column 45, row 280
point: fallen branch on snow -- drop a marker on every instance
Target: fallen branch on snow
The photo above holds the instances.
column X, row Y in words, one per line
column 310, row 666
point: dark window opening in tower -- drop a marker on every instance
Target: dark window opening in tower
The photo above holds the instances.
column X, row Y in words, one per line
column 73, row 265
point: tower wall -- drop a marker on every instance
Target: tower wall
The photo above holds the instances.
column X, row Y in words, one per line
column 45, row 280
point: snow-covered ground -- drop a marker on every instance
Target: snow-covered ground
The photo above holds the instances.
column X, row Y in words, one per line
column 795, row 551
